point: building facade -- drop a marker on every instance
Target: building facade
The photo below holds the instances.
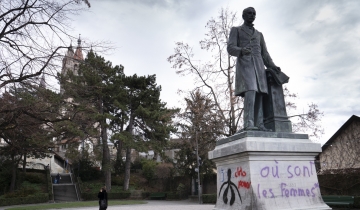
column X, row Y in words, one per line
column 342, row 150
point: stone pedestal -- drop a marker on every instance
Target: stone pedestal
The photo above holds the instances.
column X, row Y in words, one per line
column 267, row 171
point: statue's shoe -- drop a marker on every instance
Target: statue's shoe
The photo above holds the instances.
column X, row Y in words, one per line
column 252, row 128
column 262, row 128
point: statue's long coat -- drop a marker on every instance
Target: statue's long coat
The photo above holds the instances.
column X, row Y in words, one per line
column 250, row 71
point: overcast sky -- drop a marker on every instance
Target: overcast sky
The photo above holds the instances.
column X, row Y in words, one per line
column 315, row 42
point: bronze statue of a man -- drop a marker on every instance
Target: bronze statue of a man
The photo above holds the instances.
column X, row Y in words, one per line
column 248, row 45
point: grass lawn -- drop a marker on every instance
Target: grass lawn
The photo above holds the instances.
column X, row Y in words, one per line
column 75, row 204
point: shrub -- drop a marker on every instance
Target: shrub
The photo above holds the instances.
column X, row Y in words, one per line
column 94, row 187
column 49, row 185
column 163, row 170
column 5, row 174
column 145, row 195
column 119, row 166
column 35, row 178
column 172, row 196
column 148, row 168
column 357, row 202
column 180, row 188
column 26, row 189
column 90, row 187
column 93, row 196
column 117, row 180
column 137, row 164
column 20, row 193
column 86, row 170
column 37, row 198
column 119, row 195
column 209, row 198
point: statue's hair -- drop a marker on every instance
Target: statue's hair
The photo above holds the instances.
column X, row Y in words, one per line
column 247, row 9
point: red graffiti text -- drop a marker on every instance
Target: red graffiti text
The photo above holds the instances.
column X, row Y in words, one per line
column 244, row 184
column 239, row 172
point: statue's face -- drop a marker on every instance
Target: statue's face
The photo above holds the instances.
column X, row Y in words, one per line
column 249, row 15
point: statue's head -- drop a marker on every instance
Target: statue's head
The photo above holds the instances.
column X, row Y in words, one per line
column 249, row 14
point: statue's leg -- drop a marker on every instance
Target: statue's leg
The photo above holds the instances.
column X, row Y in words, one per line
column 259, row 112
column 249, row 103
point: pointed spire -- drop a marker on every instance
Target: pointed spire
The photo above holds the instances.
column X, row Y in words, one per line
column 79, row 41
column 70, row 52
column 42, row 81
column 78, row 53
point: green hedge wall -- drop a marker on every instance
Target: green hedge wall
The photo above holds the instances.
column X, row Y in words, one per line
column 342, row 182
column 145, row 195
column 209, row 198
column 49, row 185
column 39, row 198
column 93, row 196
column 357, row 202
column 172, row 196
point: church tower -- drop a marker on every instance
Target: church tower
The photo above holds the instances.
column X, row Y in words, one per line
column 72, row 60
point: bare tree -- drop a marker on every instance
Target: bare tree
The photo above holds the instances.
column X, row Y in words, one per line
column 199, row 128
column 343, row 152
column 308, row 121
column 215, row 77
column 31, row 34
column 340, row 160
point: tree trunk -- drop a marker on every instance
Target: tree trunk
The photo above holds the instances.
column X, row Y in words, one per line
column 128, row 155
column 13, row 173
column 106, row 163
column 24, row 163
column 155, row 156
column 233, row 124
column 118, row 151
column 127, row 168
column 119, row 158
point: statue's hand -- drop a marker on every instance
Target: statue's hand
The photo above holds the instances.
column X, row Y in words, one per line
column 246, row 51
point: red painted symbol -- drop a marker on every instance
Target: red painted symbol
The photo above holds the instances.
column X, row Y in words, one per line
column 244, row 184
column 239, row 172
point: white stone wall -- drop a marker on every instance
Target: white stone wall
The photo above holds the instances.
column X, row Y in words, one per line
column 257, row 173
column 275, row 184
column 32, row 163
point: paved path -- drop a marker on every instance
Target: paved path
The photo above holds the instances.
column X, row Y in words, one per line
column 152, row 205
column 157, row 205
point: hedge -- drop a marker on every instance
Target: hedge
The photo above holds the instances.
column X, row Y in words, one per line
column 31, row 199
column 93, row 196
column 172, row 196
column 145, row 195
column 49, row 185
column 179, row 195
column 357, row 202
column 209, row 198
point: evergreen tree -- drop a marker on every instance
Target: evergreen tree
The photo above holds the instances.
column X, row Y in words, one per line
column 28, row 115
column 148, row 121
column 126, row 107
column 93, row 94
